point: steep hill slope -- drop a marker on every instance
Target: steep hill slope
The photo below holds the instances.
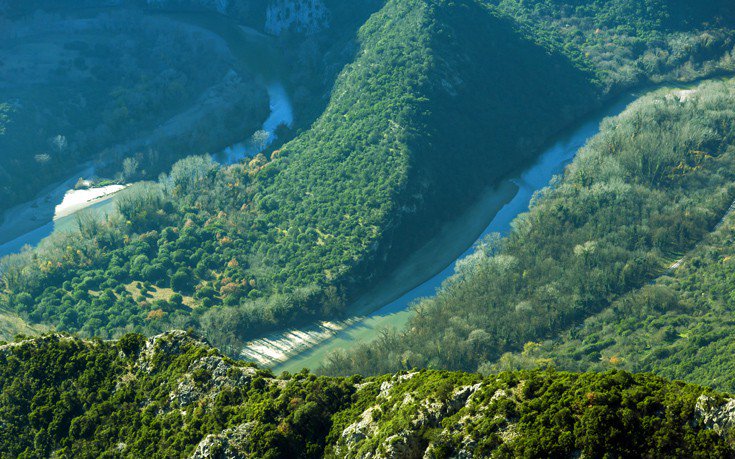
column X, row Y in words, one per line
column 680, row 326
column 421, row 103
column 173, row 396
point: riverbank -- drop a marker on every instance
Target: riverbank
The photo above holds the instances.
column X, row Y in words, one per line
column 551, row 162
column 34, row 214
column 76, row 200
column 437, row 255
column 36, row 220
column 396, row 313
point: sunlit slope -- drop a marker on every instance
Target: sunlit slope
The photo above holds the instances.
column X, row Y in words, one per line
column 12, row 325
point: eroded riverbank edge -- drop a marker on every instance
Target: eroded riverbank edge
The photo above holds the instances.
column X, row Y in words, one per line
column 438, row 254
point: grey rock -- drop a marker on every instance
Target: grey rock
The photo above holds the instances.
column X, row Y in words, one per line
column 718, row 417
column 230, row 444
column 304, row 16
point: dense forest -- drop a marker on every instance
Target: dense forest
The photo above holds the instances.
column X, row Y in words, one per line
column 650, row 186
column 425, row 117
column 174, row 396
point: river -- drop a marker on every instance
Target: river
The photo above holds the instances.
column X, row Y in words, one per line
column 308, row 348
column 29, row 223
column 294, row 350
column 388, row 304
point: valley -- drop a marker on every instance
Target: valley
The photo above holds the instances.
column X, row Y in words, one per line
column 388, row 304
column 310, row 348
column 533, row 302
column 367, row 229
column 277, row 196
column 71, row 71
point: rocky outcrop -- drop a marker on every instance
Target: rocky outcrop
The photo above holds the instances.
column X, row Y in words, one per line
column 230, row 444
column 403, row 445
column 363, row 428
column 304, row 16
column 206, row 377
column 165, row 344
column 456, row 434
column 368, row 437
column 174, row 393
column 719, row 417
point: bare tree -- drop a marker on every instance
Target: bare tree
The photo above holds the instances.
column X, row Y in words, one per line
column 260, row 140
column 59, row 143
column 130, row 168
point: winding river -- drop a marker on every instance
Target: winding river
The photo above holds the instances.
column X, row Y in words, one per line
column 309, row 347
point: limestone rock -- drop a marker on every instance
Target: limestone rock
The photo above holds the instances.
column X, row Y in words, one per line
column 230, row 444
column 304, row 16
column 720, row 418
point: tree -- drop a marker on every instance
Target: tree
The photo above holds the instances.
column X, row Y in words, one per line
column 182, row 281
column 58, row 143
column 4, row 117
column 260, row 140
column 42, row 158
column 176, row 300
column 130, row 169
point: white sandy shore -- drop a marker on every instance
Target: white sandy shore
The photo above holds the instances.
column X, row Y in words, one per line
column 76, row 200
column 28, row 216
column 29, row 222
column 279, row 347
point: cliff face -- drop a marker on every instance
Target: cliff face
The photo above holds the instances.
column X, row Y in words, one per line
column 274, row 16
column 215, row 5
column 301, row 16
column 174, row 396
column 304, row 16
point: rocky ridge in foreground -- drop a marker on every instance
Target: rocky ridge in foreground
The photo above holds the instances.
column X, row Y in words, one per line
column 172, row 395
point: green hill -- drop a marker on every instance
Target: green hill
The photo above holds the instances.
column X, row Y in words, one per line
column 679, row 326
column 173, row 396
column 624, row 264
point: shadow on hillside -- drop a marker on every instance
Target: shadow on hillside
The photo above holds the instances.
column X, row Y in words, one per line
column 496, row 99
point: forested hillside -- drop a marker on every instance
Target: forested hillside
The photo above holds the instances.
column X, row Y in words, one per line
column 408, row 110
column 631, row 41
column 173, row 396
column 680, row 326
column 651, row 185
column 442, row 99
